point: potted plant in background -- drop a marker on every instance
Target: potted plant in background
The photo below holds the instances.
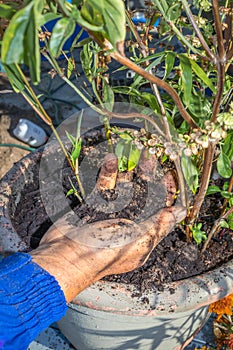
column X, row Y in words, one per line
column 183, row 75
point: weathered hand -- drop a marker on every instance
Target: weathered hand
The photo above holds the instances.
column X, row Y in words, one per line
column 79, row 255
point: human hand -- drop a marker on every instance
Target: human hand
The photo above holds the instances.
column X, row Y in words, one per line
column 80, row 255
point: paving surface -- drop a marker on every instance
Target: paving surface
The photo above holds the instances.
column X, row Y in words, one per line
column 61, row 102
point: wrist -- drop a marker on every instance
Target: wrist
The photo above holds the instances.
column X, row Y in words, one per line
column 72, row 267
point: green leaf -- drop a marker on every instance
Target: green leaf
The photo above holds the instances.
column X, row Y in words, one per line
column 14, row 77
column 71, row 191
column 32, row 56
column 138, row 78
column 227, row 147
column 76, row 15
column 169, row 64
column 198, row 234
column 226, row 194
column 125, row 136
column 20, row 41
column 134, row 156
column 62, row 30
column 127, row 90
column 224, row 165
column 151, row 100
column 6, row 11
column 108, row 96
column 224, row 224
column 230, row 202
column 190, row 172
column 13, row 41
column 122, row 153
column 199, row 106
column 71, row 138
column 49, row 17
column 225, row 186
column 86, row 57
column 110, row 14
column 186, row 78
column 230, row 221
column 76, row 151
column 202, row 75
column 70, row 67
column 212, row 190
column 174, row 11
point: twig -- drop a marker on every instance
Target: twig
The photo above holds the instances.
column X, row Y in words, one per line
column 209, row 153
column 199, row 199
column 144, row 51
column 175, row 29
column 135, row 115
column 215, row 227
column 198, row 32
column 156, row 92
column 218, row 28
column 182, row 185
column 155, row 80
column 220, row 88
column 221, row 61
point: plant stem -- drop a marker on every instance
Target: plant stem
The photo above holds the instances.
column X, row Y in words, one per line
column 78, row 180
column 197, row 30
column 209, row 153
column 218, row 28
column 62, row 146
column 220, row 89
column 221, row 61
column 85, row 99
column 174, row 28
column 215, row 228
column 155, row 80
column 36, row 109
column 39, row 109
column 204, row 182
column 144, row 51
column 135, row 115
column 34, row 103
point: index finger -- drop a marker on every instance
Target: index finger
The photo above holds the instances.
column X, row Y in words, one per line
column 108, row 173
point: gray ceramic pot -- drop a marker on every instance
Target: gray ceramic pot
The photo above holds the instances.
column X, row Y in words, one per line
column 107, row 315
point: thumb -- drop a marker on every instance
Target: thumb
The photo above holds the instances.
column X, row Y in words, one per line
column 163, row 222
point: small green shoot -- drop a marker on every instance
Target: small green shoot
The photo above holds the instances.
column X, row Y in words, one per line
column 76, row 143
column 224, row 192
column 198, row 235
column 228, row 196
column 73, row 191
column 228, row 223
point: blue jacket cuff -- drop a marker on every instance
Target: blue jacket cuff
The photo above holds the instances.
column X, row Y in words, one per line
column 30, row 300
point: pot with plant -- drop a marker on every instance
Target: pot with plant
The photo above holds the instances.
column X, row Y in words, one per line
column 182, row 75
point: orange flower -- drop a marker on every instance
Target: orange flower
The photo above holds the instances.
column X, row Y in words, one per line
column 223, row 306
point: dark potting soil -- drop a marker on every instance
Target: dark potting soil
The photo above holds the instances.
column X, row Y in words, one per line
column 173, row 259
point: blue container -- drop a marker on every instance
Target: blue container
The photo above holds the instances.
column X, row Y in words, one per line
column 67, row 45
column 139, row 17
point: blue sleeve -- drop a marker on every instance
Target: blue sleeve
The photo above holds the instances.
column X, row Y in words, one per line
column 30, row 300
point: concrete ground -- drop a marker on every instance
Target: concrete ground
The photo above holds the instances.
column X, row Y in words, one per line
column 61, row 102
